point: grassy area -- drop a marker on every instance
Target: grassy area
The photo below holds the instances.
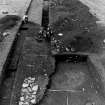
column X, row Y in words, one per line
column 9, row 21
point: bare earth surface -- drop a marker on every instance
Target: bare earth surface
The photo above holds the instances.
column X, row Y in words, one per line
column 71, row 83
column 74, row 20
column 74, row 85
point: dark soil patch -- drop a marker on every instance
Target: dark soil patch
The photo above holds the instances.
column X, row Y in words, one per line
column 8, row 22
column 29, row 58
column 73, row 19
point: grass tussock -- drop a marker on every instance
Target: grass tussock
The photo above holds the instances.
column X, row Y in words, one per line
column 9, row 21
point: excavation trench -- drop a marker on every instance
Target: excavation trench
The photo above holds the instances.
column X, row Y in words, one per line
column 69, row 79
column 28, row 58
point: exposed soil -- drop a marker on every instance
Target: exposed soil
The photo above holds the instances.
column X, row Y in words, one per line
column 74, row 20
column 71, row 85
column 30, row 58
column 70, row 82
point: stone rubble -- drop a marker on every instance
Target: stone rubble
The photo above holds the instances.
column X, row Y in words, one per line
column 29, row 92
column 90, row 103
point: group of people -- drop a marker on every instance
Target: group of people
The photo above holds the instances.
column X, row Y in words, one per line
column 45, row 32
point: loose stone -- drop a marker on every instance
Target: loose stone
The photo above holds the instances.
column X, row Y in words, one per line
column 45, row 74
column 21, row 103
column 21, row 98
column 33, row 79
column 24, row 90
column 35, row 88
column 29, row 89
column 34, row 96
column 25, row 85
column 34, row 93
column 33, row 101
column 26, row 103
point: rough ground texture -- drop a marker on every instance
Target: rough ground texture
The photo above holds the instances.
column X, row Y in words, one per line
column 74, row 20
column 31, row 58
column 71, row 84
column 34, row 61
column 8, row 22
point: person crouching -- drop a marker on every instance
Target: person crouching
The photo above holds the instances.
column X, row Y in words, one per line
column 25, row 19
